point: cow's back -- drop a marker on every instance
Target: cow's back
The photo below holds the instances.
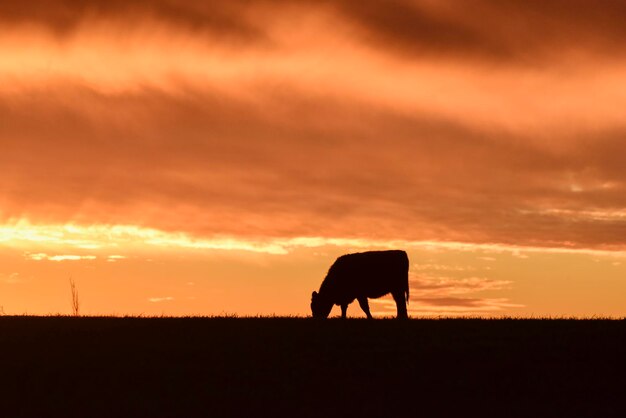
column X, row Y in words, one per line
column 370, row 274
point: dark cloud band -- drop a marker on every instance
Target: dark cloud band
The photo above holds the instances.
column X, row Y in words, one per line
column 207, row 166
column 503, row 31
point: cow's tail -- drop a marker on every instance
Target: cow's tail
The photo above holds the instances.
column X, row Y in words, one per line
column 407, row 293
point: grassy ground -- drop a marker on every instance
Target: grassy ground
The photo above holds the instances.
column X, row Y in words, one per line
column 181, row 367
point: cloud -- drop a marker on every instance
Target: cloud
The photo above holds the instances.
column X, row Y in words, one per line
column 104, row 238
column 161, row 299
column 503, row 31
column 441, row 295
column 240, row 181
column 261, row 125
column 438, row 286
column 441, row 267
column 115, row 258
column 65, row 17
column 449, row 306
column 43, row 256
column 107, row 237
column 11, row 278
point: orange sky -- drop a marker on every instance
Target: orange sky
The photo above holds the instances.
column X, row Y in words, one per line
column 213, row 158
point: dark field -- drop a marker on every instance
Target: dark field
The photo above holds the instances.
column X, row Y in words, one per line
column 168, row 367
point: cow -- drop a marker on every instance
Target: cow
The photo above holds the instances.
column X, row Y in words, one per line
column 360, row 276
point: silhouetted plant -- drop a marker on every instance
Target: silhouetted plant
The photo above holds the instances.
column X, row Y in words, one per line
column 75, row 301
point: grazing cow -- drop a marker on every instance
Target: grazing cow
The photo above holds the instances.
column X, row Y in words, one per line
column 360, row 276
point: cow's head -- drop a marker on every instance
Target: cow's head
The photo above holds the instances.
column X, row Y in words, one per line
column 320, row 308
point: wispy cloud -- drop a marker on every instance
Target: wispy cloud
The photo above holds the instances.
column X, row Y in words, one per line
column 43, row 256
column 115, row 258
column 437, row 295
column 451, row 306
column 441, row 267
column 438, row 286
column 161, row 299
column 11, row 278
column 113, row 237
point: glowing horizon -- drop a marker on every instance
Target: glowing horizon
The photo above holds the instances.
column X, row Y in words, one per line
column 437, row 288
column 96, row 237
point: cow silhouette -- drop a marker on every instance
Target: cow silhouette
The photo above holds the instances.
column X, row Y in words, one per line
column 360, row 276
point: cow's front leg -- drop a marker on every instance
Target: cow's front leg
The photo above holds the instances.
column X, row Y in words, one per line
column 365, row 306
column 344, row 310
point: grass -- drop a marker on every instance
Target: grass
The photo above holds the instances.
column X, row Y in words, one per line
column 170, row 367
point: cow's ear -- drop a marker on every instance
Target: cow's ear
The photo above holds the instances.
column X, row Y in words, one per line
column 313, row 295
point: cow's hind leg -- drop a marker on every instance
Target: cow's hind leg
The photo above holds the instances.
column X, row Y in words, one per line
column 365, row 306
column 401, row 304
column 344, row 310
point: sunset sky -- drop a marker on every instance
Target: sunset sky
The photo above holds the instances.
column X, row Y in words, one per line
column 210, row 158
